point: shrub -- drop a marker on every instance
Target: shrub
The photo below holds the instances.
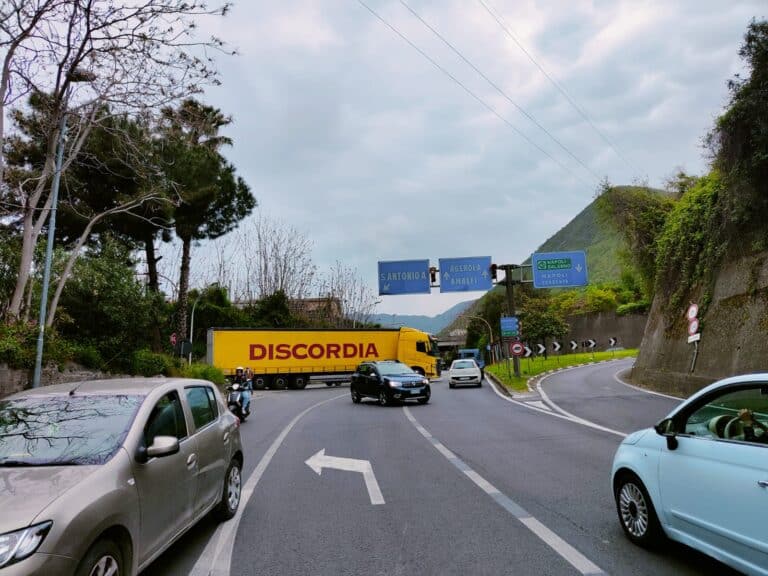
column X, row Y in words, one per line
column 640, row 307
column 204, row 372
column 89, row 357
column 17, row 345
column 146, row 363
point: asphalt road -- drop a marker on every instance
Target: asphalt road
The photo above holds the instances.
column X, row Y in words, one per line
column 471, row 483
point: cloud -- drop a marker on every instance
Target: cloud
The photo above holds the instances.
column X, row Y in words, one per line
column 347, row 133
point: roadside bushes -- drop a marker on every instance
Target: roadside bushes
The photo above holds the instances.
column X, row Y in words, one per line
column 203, row 372
column 146, row 363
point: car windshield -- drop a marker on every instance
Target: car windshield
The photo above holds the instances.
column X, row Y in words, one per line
column 463, row 364
column 66, row 430
column 394, row 369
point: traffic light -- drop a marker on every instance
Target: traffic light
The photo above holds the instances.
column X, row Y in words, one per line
column 494, row 270
column 433, row 275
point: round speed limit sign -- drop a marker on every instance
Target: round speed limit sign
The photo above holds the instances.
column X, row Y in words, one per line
column 517, row 349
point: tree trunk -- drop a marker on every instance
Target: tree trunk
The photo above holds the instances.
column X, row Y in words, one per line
column 25, row 264
column 154, row 288
column 181, row 319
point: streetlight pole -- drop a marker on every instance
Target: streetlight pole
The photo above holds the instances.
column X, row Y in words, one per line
column 490, row 330
column 75, row 76
column 49, row 246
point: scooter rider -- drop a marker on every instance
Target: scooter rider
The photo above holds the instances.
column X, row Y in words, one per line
column 247, row 384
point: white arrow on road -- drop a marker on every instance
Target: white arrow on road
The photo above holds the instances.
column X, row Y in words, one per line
column 320, row 461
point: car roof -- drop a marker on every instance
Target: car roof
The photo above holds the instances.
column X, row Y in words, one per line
column 129, row 386
column 731, row 381
column 377, row 362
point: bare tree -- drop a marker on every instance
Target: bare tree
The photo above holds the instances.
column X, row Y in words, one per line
column 135, row 56
column 357, row 300
column 272, row 256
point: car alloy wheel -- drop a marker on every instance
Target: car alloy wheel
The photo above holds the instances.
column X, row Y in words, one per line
column 636, row 512
column 234, row 486
column 106, row 566
column 355, row 395
column 383, row 398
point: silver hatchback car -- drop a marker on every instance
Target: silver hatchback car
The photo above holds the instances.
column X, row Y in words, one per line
column 99, row 478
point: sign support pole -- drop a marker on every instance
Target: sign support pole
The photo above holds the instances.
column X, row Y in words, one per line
column 510, row 285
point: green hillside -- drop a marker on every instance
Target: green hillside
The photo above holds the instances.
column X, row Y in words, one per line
column 587, row 231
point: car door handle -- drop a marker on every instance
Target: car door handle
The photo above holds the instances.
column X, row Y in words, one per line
column 191, row 460
column 762, row 483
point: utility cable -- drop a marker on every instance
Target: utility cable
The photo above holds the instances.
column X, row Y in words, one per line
column 500, row 91
column 468, row 91
column 500, row 21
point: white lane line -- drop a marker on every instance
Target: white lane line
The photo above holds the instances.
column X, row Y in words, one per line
column 560, row 546
column 573, row 416
column 563, row 415
column 539, row 404
column 216, row 559
column 620, row 381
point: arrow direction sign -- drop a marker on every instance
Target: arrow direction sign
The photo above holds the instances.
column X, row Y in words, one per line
column 465, row 274
column 574, row 344
column 559, row 269
column 404, row 277
column 542, row 349
column 320, row 461
column 591, row 343
column 528, row 352
column 612, row 341
column 556, row 346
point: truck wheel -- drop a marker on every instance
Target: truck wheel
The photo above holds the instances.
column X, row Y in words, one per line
column 329, row 383
column 299, row 382
column 259, row 382
column 279, row 382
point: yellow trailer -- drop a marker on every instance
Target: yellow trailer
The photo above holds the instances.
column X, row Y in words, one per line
column 289, row 358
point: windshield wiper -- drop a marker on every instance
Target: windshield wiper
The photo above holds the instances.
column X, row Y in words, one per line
column 30, row 464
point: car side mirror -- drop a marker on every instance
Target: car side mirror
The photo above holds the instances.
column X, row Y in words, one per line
column 666, row 428
column 161, row 446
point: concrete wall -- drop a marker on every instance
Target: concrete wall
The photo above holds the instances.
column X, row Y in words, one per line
column 12, row 380
column 734, row 333
column 601, row 326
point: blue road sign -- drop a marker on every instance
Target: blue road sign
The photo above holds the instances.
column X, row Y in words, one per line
column 510, row 327
column 465, row 274
column 559, row 269
column 404, row 277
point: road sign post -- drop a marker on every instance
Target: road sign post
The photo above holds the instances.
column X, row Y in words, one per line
column 559, row 269
column 404, row 277
column 510, row 285
column 694, row 336
column 465, row 274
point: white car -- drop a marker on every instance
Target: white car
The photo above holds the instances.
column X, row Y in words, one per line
column 465, row 372
column 701, row 475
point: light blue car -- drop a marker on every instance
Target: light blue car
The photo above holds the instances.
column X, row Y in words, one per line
column 700, row 476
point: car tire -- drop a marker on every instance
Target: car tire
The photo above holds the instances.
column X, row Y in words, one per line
column 383, row 400
column 637, row 515
column 230, row 496
column 104, row 557
column 355, row 395
column 425, row 399
column 451, row 385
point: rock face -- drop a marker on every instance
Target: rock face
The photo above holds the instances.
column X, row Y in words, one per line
column 12, row 381
column 734, row 333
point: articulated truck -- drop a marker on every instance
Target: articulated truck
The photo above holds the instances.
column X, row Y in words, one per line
column 290, row 358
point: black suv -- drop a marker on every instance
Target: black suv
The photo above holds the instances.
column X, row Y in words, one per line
column 388, row 381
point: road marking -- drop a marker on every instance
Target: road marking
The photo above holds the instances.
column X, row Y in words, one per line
column 575, row 558
column 540, row 404
column 320, row 461
column 216, row 559
column 562, row 414
column 620, row 381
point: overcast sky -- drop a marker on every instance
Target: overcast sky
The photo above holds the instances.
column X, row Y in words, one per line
column 345, row 131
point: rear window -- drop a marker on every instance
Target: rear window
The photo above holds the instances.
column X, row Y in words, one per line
column 462, row 364
column 66, row 430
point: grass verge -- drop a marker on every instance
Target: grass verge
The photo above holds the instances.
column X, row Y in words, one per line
column 530, row 367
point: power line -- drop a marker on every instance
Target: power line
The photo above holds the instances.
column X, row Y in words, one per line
column 500, row 20
column 500, row 91
column 468, row 91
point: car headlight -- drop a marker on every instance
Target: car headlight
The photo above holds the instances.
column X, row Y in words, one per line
column 425, row 381
column 393, row 383
column 15, row 546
